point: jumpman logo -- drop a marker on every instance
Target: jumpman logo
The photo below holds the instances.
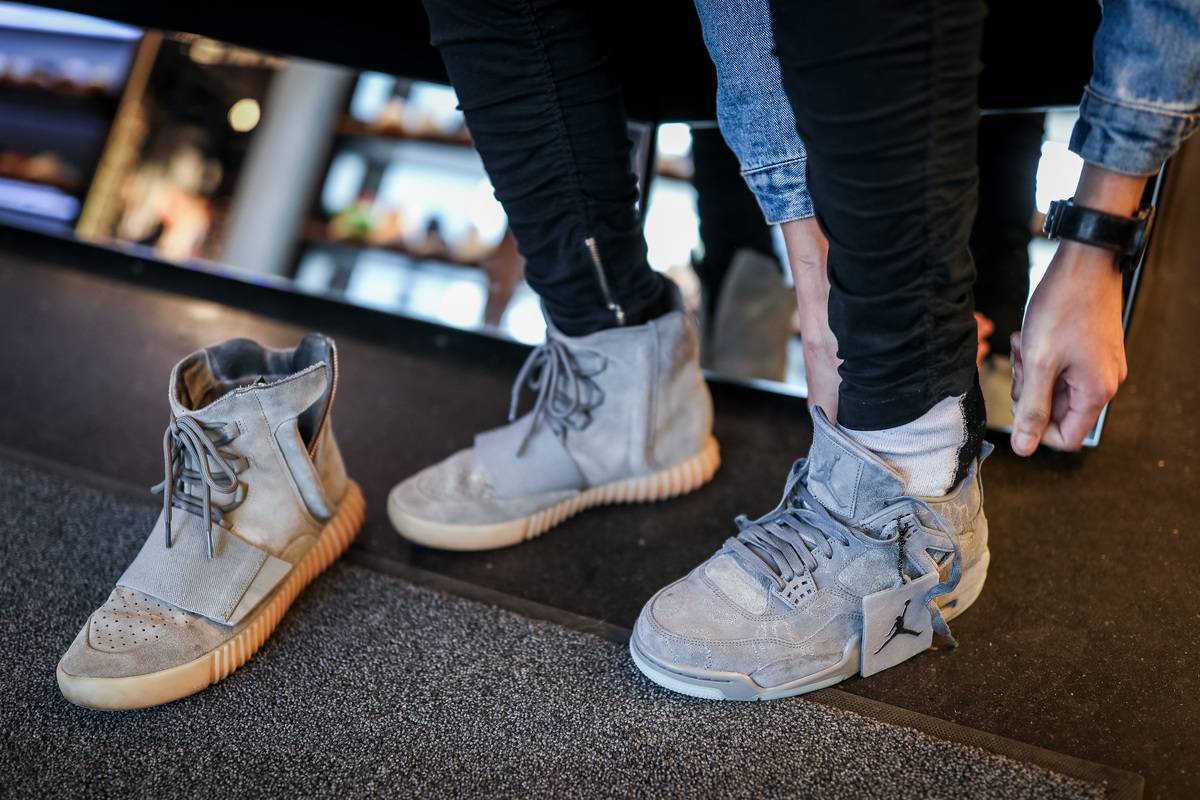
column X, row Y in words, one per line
column 824, row 475
column 898, row 628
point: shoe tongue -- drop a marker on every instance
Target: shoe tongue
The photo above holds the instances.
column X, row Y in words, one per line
column 214, row 384
column 845, row 477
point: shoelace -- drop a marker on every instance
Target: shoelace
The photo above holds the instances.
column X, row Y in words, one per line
column 566, row 393
column 786, row 541
column 185, row 441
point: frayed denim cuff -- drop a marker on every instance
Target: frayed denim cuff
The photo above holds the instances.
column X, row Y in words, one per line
column 781, row 190
column 1128, row 137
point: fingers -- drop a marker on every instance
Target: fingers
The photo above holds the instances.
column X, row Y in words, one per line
column 1074, row 404
column 1032, row 414
column 1083, row 405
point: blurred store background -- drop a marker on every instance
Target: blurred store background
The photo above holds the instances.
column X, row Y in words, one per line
column 358, row 186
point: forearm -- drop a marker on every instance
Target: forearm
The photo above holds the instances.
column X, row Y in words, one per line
column 1111, row 192
column 808, row 253
column 1069, row 358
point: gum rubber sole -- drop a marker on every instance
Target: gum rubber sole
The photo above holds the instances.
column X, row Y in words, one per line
column 685, row 477
column 155, row 688
column 714, row 685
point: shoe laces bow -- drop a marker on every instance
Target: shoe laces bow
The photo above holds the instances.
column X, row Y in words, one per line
column 190, row 455
column 786, row 541
column 566, row 392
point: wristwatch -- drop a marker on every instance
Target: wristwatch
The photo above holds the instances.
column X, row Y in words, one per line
column 1125, row 236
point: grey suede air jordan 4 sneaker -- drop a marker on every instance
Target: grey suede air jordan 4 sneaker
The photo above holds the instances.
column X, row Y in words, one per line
column 256, row 503
column 846, row 576
column 621, row 415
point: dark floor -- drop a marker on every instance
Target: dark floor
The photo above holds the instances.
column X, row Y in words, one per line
column 1085, row 641
column 376, row 685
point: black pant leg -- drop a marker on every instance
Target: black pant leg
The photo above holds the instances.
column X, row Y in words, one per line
column 1010, row 146
column 884, row 94
column 546, row 113
column 730, row 218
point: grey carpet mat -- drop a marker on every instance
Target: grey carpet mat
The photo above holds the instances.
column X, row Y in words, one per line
column 375, row 686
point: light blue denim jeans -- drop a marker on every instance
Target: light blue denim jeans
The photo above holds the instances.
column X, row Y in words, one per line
column 1142, row 101
column 1144, row 96
column 753, row 112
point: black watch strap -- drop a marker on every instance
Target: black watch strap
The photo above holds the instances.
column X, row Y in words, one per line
column 1125, row 236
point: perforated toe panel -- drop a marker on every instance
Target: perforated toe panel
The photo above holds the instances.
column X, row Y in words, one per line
column 130, row 619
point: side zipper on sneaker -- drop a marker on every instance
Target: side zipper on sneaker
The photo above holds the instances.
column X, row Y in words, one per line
column 594, row 251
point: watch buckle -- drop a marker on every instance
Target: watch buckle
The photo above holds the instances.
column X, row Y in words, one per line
column 1053, row 218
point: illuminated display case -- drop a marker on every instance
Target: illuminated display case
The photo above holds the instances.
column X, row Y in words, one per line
column 406, row 220
column 61, row 79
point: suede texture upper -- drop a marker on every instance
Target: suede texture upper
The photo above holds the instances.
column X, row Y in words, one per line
column 656, row 412
column 457, row 491
column 290, row 488
column 723, row 617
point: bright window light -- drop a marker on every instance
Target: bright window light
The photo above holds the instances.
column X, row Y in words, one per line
column 345, row 178
column 672, row 224
column 462, row 304
column 486, row 213
column 674, row 139
column 1057, row 174
column 370, row 94
column 523, row 318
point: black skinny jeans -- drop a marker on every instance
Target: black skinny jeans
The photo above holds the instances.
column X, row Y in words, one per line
column 730, row 219
column 884, row 92
column 1009, row 148
column 885, row 98
column 546, row 113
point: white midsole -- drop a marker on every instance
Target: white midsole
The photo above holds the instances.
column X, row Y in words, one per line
column 714, row 685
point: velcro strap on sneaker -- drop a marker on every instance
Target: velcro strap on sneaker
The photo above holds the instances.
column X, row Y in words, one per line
column 224, row 588
column 543, row 466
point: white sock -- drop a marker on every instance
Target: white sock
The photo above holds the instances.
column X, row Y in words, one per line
column 926, row 450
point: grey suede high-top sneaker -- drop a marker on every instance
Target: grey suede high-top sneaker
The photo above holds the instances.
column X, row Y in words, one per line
column 256, row 503
column 846, row 576
column 621, row 415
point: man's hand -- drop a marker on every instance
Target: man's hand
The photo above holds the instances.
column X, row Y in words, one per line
column 1069, row 358
column 808, row 256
